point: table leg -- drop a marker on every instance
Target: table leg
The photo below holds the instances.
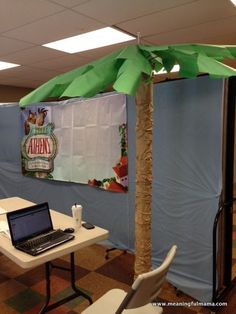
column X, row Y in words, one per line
column 77, row 291
column 48, row 287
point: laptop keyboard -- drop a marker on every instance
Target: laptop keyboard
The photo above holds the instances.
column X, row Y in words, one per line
column 52, row 238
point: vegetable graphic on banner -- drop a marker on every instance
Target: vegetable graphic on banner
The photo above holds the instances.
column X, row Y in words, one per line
column 118, row 183
column 39, row 145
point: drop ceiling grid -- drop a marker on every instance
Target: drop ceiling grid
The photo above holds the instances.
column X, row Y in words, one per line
column 26, row 24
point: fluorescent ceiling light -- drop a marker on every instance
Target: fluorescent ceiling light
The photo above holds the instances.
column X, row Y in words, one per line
column 162, row 71
column 7, row 65
column 100, row 38
column 234, row 2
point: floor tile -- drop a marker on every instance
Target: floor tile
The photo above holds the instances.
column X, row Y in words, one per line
column 99, row 284
column 234, row 269
column 35, row 309
column 76, row 301
column 24, row 300
column 57, row 285
column 5, row 309
column 10, row 288
column 3, row 278
column 119, row 268
column 9, row 268
column 93, row 257
column 65, row 274
column 32, row 276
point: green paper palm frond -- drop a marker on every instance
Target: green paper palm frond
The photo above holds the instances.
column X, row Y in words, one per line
column 125, row 68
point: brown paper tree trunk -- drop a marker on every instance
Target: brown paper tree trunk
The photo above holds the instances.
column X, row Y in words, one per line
column 144, row 122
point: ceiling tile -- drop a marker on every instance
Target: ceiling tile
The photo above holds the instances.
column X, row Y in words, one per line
column 96, row 54
column 224, row 38
column 19, row 82
column 68, row 3
column 15, row 13
column 9, row 45
column 57, row 26
column 32, row 55
column 113, row 12
column 215, row 33
column 25, row 71
column 62, row 62
column 231, row 63
column 176, row 18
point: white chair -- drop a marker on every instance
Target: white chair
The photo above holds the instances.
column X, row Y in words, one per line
column 138, row 300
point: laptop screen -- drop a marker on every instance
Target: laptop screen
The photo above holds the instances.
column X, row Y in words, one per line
column 29, row 222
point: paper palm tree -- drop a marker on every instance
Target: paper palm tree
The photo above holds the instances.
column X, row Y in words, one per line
column 130, row 71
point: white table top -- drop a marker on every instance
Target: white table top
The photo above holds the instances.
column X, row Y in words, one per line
column 82, row 239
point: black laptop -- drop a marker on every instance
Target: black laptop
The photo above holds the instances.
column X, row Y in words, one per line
column 32, row 231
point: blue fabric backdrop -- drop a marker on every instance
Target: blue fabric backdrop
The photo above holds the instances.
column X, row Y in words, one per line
column 186, row 180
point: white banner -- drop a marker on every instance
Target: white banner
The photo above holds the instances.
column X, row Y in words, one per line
column 90, row 138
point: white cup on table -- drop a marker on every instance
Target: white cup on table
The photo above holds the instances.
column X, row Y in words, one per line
column 77, row 216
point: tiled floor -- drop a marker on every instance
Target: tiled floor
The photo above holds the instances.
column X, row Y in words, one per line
column 24, row 291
